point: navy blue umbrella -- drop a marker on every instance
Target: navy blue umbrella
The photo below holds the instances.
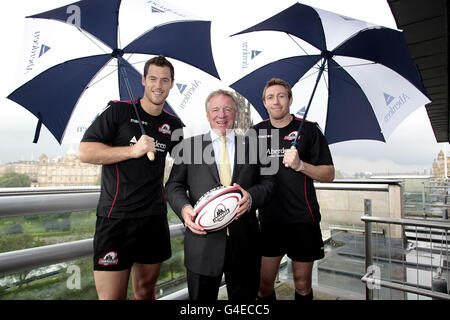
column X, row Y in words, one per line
column 52, row 93
column 366, row 70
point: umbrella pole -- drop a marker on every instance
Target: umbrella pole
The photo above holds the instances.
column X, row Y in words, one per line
column 130, row 93
column 322, row 68
column 150, row 154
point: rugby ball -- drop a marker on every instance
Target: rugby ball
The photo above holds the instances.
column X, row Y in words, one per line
column 217, row 208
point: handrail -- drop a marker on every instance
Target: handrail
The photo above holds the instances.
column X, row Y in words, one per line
column 369, row 277
column 35, row 201
column 16, row 202
column 16, row 261
column 409, row 222
column 403, row 287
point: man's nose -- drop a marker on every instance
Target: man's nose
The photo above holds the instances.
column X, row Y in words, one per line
column 222, row 113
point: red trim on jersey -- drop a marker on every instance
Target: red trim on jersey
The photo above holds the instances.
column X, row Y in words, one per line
column 307, row 202
column 173, row 115
column 117, row 191
column 126, row 101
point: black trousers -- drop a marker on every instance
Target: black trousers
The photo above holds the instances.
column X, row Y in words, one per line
column 242, row 280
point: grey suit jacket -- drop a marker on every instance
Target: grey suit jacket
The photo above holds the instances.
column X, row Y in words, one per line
column 193, row 174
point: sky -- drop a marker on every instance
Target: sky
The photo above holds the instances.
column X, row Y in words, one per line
column 411, row 147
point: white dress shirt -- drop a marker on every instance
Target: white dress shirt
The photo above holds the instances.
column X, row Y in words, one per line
column 217, row 146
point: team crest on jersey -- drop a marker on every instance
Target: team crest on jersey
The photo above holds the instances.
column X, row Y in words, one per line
column 109, row 259
column 165, row 128
column 291, row 136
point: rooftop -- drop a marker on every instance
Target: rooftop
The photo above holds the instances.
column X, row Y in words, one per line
column 425, row 26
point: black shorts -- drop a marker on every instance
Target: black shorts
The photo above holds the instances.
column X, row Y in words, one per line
column 301, row 242
column 118, row 243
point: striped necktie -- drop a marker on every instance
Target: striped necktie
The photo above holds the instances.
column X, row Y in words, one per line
column 224, row 164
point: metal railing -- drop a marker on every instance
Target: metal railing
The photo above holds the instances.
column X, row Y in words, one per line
column 29, row 201
column 35, row 201
column 435, row 248
column 20, row 260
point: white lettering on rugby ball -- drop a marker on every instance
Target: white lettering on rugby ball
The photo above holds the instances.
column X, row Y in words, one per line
column 217, row 208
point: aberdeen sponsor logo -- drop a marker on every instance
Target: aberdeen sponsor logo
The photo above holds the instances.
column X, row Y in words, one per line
column 394, row 104
column 158, row 7
column 248, row 55
column 37, row 51
column 159, row 146
column 109, row 259
column 271, row 152
column 133, row 141
column 181, row 87
column 187, row 93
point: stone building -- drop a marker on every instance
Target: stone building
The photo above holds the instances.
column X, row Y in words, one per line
column 30, row 168
column 439, row 166
column 67, row 171
column 244, row 120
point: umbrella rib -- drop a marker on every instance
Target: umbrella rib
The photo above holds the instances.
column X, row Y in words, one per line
column 344, row 80
column 98, row 80
column 349, row 66
column 357, row 65
column 90, row 39
column 298, row 45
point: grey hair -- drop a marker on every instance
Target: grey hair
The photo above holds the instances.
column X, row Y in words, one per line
column 225, row 93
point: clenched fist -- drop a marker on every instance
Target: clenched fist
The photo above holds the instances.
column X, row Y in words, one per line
column 144, row 145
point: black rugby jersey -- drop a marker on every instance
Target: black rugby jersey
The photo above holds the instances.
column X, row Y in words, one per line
column 295, row 198
column 133, row 188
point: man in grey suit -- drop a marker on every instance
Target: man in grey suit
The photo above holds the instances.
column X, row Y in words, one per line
column 233, row 251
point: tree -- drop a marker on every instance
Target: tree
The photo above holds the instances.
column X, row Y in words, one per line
column 12, row 180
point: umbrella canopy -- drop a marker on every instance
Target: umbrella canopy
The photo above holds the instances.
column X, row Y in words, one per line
column 364, row 76
column 77, row 47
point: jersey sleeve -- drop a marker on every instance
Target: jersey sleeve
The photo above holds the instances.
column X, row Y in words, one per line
column 320, row 150
column 104, row 128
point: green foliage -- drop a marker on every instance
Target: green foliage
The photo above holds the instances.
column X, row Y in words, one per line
column 175, row 265
column 171, row 216
column 14, row 180
column 53, row 284
column 13, row 242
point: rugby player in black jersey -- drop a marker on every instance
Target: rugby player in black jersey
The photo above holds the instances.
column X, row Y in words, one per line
column 290, row 221
column 132, row 233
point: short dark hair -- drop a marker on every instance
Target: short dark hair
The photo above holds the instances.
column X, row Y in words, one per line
column 160, row 61
column 274, row 82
